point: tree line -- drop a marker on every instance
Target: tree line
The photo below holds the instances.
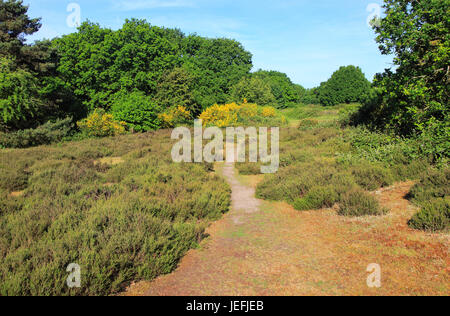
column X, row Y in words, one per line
column 140, row 71
column 139, row 66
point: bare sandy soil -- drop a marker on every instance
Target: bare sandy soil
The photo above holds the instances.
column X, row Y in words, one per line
column 267, row 248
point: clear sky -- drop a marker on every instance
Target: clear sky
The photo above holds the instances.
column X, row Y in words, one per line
column 307, row 39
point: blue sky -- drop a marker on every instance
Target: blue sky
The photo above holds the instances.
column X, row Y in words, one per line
column 307, row 39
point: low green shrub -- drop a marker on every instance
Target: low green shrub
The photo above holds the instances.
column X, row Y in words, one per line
column 359, row 203
column 248, row 168
column 317, row 198
column 372, row 177
column 432, row 185
column 308, row 124
column 294, row 181
column 124, row 222
column 434, row 216
column 139, row 111
column 50, row 132
column 9, row 204
column 343, row 182
column 13, row 179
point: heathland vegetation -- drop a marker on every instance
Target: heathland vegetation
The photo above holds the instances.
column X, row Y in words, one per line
column 100, row 189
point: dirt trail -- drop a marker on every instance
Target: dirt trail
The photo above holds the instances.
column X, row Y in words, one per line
column 267, row 248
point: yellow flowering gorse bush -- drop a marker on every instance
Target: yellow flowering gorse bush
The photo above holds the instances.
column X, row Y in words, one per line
column 228, row 114
column 101, row 124
column 268, row 111
column 174, row 116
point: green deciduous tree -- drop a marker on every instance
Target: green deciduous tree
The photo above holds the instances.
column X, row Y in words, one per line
column 217, row 64
column 255, row 90
column 284, row 91
column 98, row 62
column 19, row 97
column 346, row 85
column 413, row 99
column 176, row 88
column 136, row 109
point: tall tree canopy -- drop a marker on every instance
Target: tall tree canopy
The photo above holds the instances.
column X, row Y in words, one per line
column 100, row 63
column 217, row 65
column 30, row 90
column 284, row 91
column 14, row 26
column 413, row 98
column 255, row 90
column 346, row 85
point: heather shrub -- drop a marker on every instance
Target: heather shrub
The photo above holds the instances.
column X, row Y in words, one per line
column 372, row 177
column 434, row 216
column 50, row 132
column 433, row 184
column 294, row 181
column 432, row 194
column 120, row 222
column 308, row 124
column 248, row 168
column 359, row 203
column 317, row 198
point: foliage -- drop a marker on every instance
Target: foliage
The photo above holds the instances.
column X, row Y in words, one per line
column 346, row 85
column 176, row 89
column 388, row 149
column 50, row 132
column 220, row 115
column 19, row 99
column 245, row 114
column 121, row 223
column 311, row 96
column 359, row 203
column 282, row 88
column 253, row 89
column 175, row 116
column 434, row 216
column 268, row 111
column 413, row 99
column 14, row 26
column 98, row 62
column 138, row 111
column 317, row 198
column 217, row 65
column 101, row 124
column 31, row 92
column 432, row 194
